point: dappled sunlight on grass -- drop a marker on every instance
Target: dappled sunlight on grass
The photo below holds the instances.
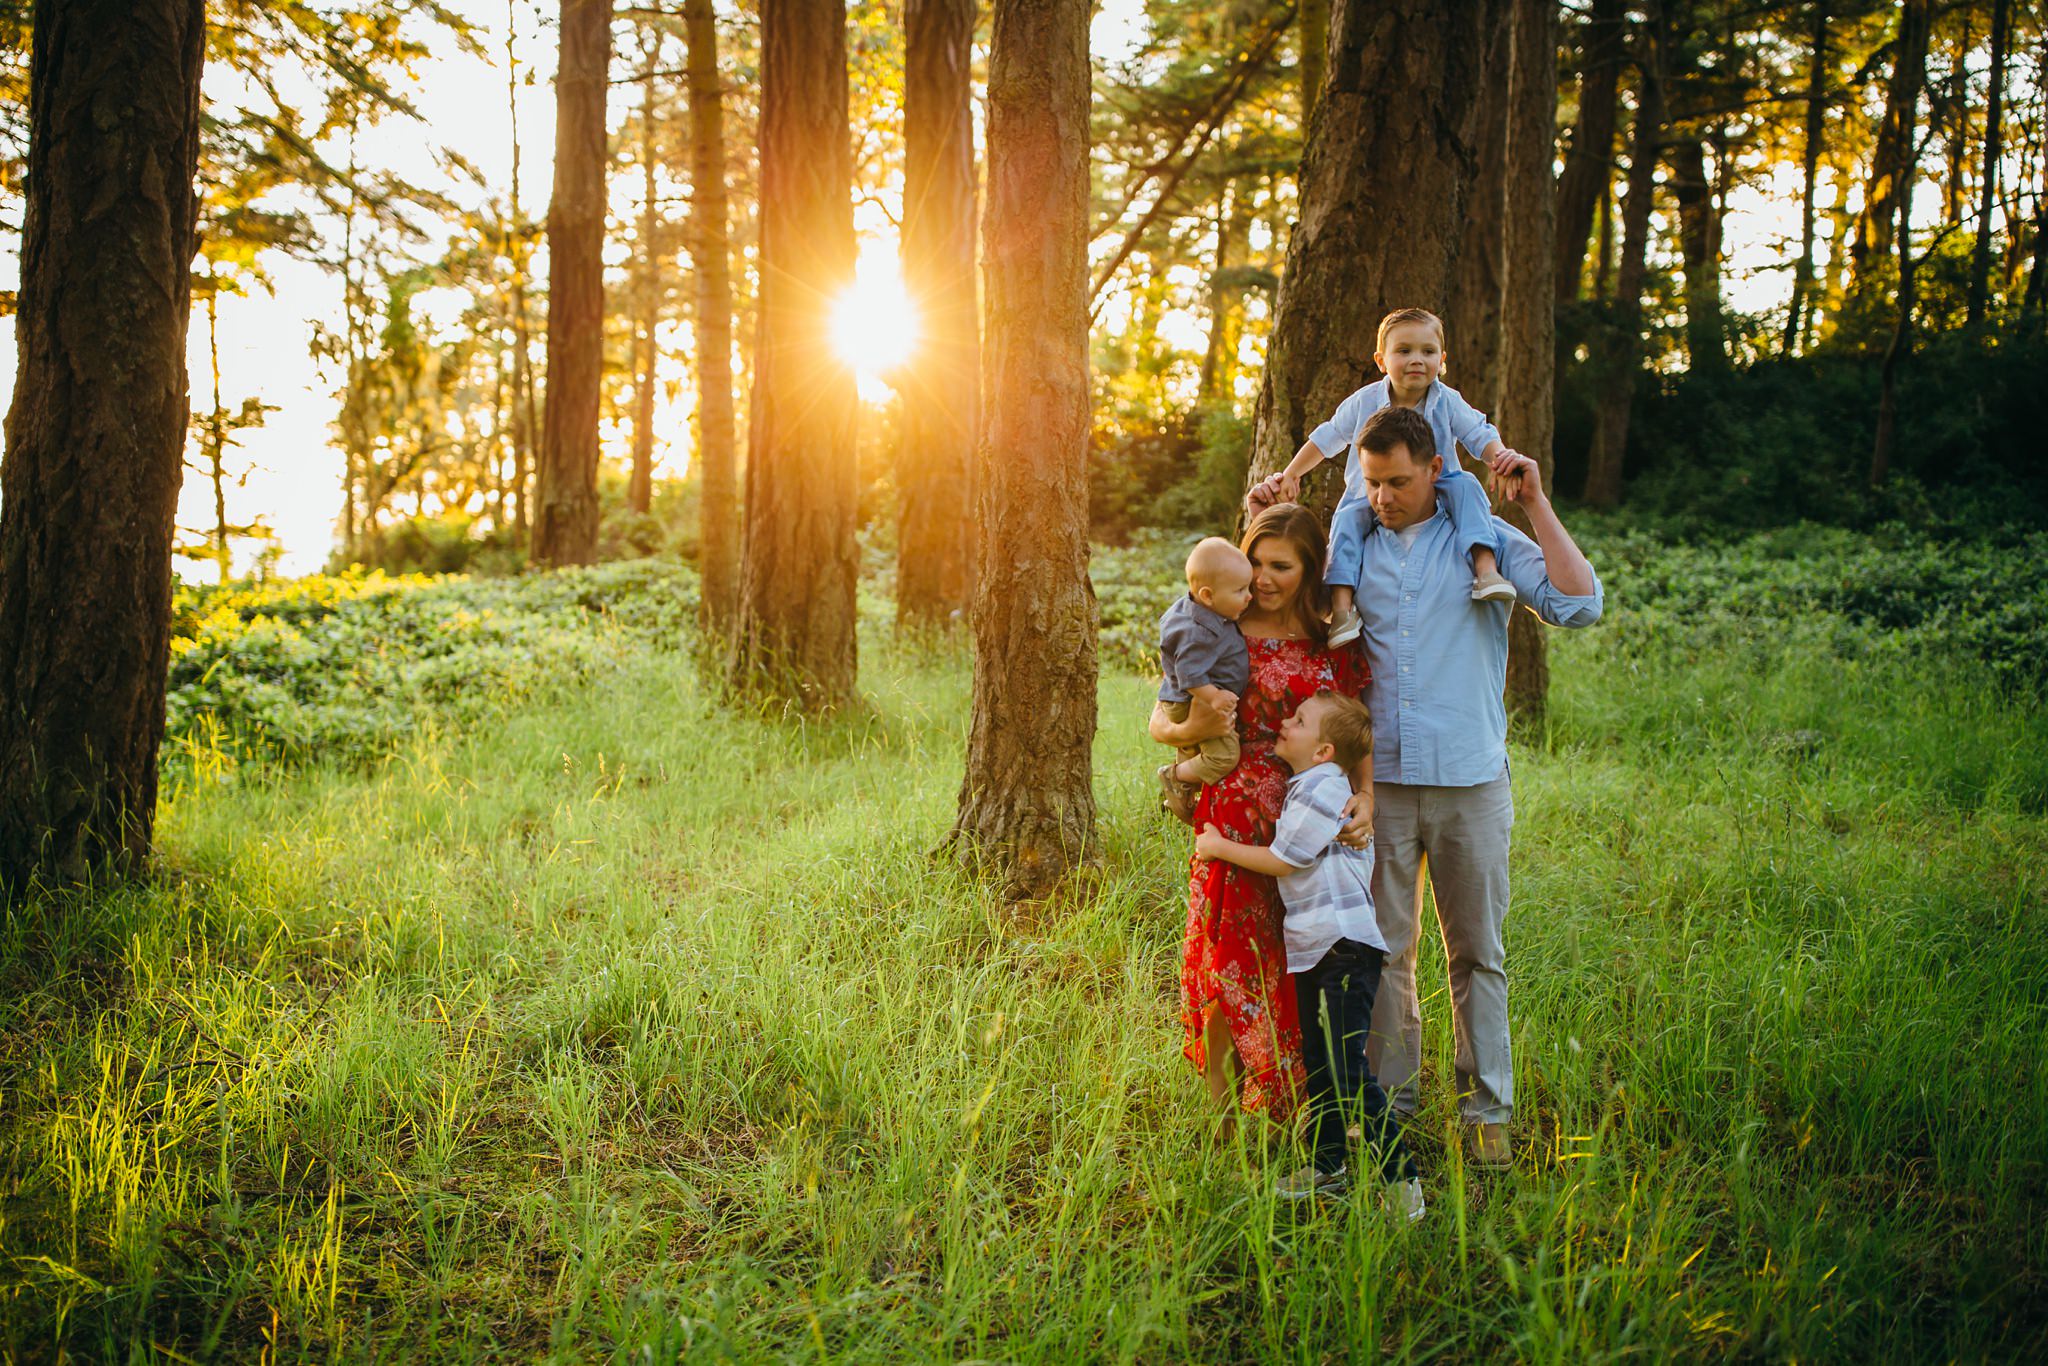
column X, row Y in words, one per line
column 613, row 1021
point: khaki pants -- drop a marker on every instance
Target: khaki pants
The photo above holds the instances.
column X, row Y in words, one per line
column 1218, row 753
column 1459, row 836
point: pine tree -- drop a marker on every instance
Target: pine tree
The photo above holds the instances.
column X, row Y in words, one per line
column 96, row 432
column 934, row 519
column 799, row 565
column 1027, row 807
column 565, row 499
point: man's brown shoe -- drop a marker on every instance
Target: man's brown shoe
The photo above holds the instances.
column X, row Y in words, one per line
column 1487, row 1146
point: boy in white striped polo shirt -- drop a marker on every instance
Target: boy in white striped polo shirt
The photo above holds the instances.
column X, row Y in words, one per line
column 1334, row 948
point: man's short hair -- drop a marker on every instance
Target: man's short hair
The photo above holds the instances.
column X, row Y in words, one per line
column 1401, row 317
column 1346, row 728
column 1391, row 427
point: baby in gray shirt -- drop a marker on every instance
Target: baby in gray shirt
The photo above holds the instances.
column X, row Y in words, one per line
column 1202, row 653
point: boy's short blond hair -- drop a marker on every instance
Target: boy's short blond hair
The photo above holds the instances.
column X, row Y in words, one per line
column 1401, row 317
column 1346, row 727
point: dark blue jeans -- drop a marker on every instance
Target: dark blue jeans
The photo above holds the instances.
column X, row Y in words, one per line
column 1335, row 1002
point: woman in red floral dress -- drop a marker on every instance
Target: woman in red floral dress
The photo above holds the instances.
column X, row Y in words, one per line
column 1237, row 1003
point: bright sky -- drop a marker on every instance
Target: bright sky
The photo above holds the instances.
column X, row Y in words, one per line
column 295, row 483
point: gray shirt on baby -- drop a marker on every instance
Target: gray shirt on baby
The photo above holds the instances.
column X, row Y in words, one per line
column 1200, row 647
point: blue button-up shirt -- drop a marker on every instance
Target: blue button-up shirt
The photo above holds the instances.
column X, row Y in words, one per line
column 1439, row 660
column 1451, row 420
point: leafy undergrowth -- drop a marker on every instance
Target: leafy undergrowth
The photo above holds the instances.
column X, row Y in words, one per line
column 606, row 1021
column 345, row 667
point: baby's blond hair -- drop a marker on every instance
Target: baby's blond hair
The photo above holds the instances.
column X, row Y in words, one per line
column 1210, row 558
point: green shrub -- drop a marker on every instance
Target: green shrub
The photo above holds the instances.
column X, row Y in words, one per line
column 346, row 666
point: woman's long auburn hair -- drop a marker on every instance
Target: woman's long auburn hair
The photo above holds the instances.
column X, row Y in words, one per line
column 1299, row 527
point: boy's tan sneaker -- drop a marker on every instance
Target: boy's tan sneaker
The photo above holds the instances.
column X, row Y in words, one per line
column 1492, row 588
column 1346, row 629
column 1177, row 796
column 1487, row 1146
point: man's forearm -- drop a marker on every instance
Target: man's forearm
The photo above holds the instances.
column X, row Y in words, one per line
column 1568, row 569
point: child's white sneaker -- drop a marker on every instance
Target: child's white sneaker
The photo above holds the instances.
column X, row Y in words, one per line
column 1344, row 631
column 1492, row 588
column 1405, row 1199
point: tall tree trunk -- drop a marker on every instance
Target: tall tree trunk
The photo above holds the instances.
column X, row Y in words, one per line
column 518, row 254
column 640, row 487
column 1949, row 106
column 565, row 512
column 1816, row 129
column 1472, row 310
column 934, row 539
column 1528, row 353
column 1226, row 317
column 1603, row 245
column 1384, row 179
column 1891, row 160
column 96, row 431
column 1994, row 147
column 1699, row 234
column 2036, row 296
column 1315, row 53
column 1027, row 806
column 1900, row 346
column 1588, row 165
column 217, row 433
column 796, row 620
column 357, row 453
column 1621, row 348
column 710, row 255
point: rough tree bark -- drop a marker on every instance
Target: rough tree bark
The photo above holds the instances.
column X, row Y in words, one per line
column 1315, row 50
column 96, row 432
column 1621, row 347
column 1472, row 309
column 795, row 639
column 1528, row 360
column 934, row 540
column 711, row 256
column 1891, row 160
column 565, row 496
column 1994, row 147
column 1699, row 239
column 1383, row 191
column 1588, row 164
column 1816, row 130
column 1027, row 808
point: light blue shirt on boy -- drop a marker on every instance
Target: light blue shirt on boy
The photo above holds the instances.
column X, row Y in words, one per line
column 1439, row 660
column 1451, row 419
column 1329, row 896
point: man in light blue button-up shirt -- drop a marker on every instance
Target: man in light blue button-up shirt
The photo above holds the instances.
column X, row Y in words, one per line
column 1440, row 759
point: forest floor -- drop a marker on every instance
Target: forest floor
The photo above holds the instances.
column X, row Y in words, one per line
column 601, row 1019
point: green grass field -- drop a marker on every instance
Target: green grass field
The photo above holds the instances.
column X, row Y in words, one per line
column 595, row 1019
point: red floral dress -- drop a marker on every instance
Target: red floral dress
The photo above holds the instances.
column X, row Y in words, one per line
column 1233, row 959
